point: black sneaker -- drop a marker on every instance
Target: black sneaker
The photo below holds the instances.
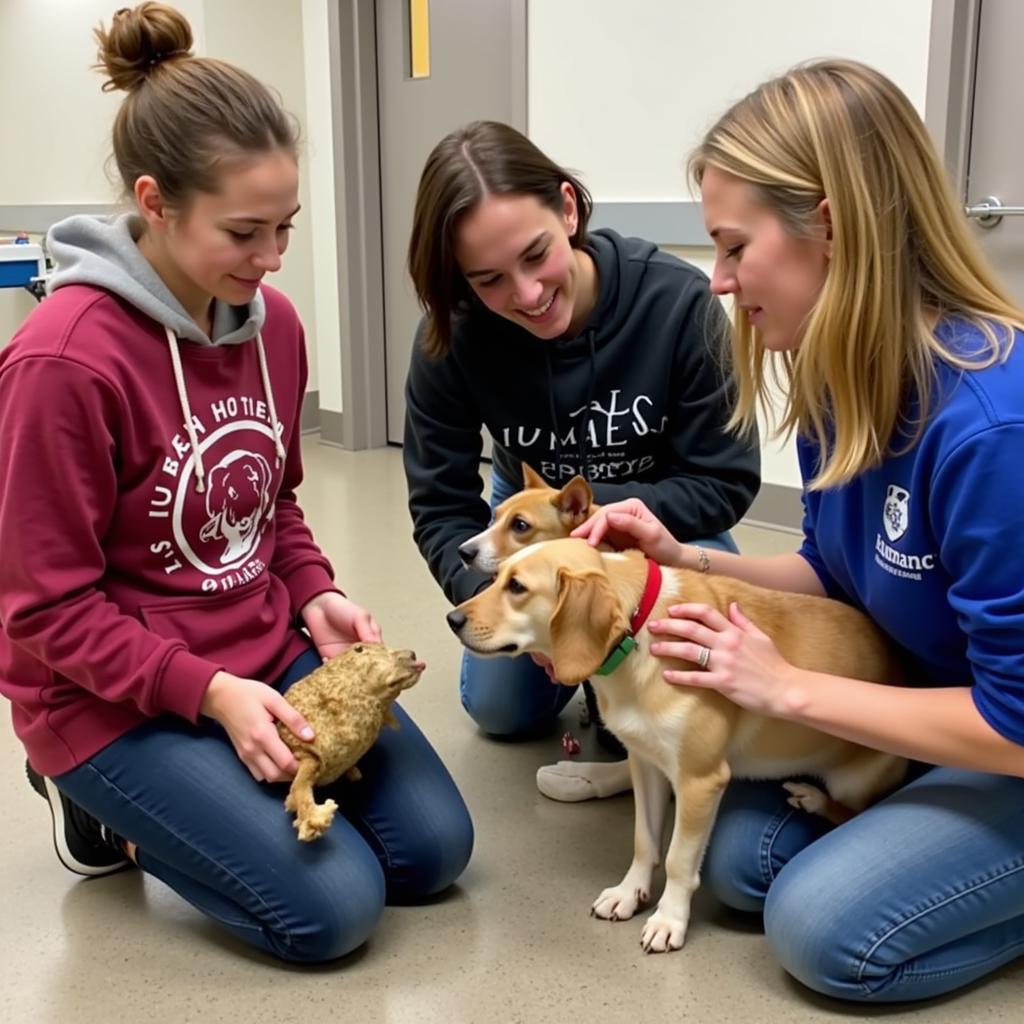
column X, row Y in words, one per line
column 83, row 845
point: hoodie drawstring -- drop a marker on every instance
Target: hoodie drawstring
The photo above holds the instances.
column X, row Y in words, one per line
column 186, row 410
column 268, row 392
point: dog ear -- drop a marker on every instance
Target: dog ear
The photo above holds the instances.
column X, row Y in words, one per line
column 585, row 624
column 532, row 480
column 574, row 500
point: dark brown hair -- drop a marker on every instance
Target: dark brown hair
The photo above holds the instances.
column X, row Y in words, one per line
column 184, row 117
column 483, row 158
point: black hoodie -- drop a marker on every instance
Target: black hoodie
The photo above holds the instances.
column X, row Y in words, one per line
column 636, row 403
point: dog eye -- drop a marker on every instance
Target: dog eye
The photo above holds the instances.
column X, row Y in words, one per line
column 520, row 525
column 515, row 587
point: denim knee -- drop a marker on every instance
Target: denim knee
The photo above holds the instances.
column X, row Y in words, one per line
column 511, row 697
column 731, row 869
column 815, row 940
column 499, row 719
column 495, row 714
column 327, row 918
column 433, row 857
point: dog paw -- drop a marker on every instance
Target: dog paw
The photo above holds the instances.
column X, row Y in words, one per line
column 806, row 797
column 663, row 932
column 316, row 823
column 619, row 903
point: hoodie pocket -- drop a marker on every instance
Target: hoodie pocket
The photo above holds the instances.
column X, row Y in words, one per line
column 238, row 629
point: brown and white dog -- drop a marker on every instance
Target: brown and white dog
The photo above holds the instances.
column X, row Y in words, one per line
column 574, row 604
column 537, row 512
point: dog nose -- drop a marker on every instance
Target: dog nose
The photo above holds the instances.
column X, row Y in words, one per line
column 456, row 620
column 467, row 552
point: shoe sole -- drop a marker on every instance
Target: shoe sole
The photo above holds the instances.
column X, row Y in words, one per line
column 64, row 855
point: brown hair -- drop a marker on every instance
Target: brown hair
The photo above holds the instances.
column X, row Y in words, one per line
column 184, row 116
column 483, row 158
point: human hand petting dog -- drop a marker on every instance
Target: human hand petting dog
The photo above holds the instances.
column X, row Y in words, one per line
column 335, row 623
column 631, row 524
column 247, row 709
column 742, row 663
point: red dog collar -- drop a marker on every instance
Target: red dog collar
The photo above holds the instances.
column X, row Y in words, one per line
column 651, row 590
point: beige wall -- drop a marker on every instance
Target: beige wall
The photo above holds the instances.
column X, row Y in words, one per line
column 778, row 458
column 56, row 120
column 670, row 69
column 265, row 37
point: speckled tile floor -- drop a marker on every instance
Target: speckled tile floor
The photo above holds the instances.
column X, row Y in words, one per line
column 512, row 942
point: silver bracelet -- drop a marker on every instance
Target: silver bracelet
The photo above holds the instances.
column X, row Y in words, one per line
column 703, row 562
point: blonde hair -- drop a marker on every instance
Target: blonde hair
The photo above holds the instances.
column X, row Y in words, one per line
column 901, row 250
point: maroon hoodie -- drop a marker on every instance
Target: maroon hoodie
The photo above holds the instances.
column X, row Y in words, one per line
column 136, row 561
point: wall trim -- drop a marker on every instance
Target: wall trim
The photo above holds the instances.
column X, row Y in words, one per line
column 669, row 222
column 332, row 428
column 36, row 218
column 777, row 507
column 309, row 422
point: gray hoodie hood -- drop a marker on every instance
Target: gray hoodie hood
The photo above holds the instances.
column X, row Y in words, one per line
column 101, row 251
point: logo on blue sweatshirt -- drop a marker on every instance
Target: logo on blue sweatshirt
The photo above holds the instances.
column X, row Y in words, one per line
column 895, row 513
column 896, row 520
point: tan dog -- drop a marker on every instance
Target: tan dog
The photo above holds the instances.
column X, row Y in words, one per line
column 537, row 512
column 573, row 603
column 346, row 700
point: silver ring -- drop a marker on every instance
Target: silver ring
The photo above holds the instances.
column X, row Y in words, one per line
column 704, row 657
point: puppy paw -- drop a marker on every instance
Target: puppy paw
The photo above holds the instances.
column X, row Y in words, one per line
column 663, row 932
column 619, row 903
column 316, row 823
column 805, row 797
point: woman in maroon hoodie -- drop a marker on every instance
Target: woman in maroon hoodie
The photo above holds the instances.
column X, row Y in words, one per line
column 157, row 571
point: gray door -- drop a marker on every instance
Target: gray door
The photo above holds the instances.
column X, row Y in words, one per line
column 477, row 71
column 995, row 162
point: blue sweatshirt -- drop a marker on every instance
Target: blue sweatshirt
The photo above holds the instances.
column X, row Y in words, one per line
column 930, row 545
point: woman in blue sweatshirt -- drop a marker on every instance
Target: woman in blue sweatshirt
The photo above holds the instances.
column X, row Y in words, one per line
column 852, row 267
column 580, row 352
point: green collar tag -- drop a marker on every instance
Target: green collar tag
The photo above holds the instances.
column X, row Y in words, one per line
column 619, row 653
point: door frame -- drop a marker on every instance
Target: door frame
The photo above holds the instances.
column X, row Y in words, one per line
column 362, row 423
column 949, row 100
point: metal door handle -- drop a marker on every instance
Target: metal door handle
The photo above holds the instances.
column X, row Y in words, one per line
column 990, row 211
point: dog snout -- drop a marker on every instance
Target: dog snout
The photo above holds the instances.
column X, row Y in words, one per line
column 468, row 551
column 456, row 620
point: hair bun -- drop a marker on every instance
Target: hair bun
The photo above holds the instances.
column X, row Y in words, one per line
column 140, row 39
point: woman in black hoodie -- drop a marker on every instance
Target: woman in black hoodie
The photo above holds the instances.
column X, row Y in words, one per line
column 580, row 352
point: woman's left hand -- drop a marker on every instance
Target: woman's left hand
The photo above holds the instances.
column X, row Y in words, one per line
column 335, row 623
column 743, row 663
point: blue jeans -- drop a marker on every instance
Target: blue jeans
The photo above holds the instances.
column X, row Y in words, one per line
column 513, row 697
column 226, row 844
column 919, row 895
